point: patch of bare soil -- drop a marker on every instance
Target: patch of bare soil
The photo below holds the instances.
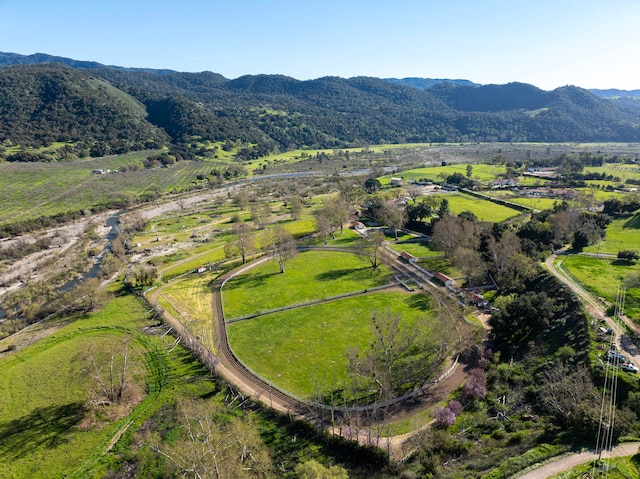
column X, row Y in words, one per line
column 28, row 336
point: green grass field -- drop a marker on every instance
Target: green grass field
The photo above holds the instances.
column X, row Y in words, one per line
column 43, row 428
column 621, row 171
column 419, row 250
column 189, row 300
column 312, row 275
column 483, row 209
column 603, row 277
column 622, row 234
column 304, row 350
column 618, row 468
column 481, row 172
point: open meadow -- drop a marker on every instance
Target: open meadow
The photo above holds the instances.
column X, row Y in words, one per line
column 619, row 171
column 603, row 277
column 621, row 234
column 480, row 171
column 189, row 301
column 312, row 275
column 484, row 210
column 48, row 427
column 304, row 350
column 33, row 190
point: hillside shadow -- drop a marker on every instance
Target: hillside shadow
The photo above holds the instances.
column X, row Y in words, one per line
column 46, row 427
column 632, row 223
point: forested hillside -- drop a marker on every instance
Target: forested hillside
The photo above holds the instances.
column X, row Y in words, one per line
column 101, row 110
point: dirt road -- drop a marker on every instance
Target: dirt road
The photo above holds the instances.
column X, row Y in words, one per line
column 569, row 462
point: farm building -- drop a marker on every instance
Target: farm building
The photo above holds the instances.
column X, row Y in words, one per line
column 408, row 257
column 358, row 226
column 396, row 181
column 443, row 278
column 475, row 298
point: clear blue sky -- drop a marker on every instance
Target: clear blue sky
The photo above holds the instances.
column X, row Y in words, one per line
column 548, row 43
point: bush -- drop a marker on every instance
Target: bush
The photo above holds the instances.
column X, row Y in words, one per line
column 629, row 255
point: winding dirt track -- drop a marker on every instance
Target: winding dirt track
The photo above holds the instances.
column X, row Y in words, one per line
column 249, row 384
column 569, row 462
column 235, row 372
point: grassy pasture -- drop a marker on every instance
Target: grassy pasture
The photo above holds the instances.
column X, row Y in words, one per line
column 312, row 275
column 622, row 234
column 481, row 172
column 440, row 264
column 43, row 432
column 603, row 277
column 417, row 249
column 189, row 300
column 622, row 171
column 485, row 210
column 303, row 350
column 535, row 203
column 295, row 156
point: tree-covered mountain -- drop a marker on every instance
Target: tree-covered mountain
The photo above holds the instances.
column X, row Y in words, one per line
column 628, row 100
column 42, row 104
column 115, row 109
column 426, row 83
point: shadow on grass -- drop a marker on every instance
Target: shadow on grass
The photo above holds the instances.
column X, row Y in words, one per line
column 633, row 222
column 418, row 301
column 249, row 281
column 622, row 262
column 45, row 427
column 335, row 274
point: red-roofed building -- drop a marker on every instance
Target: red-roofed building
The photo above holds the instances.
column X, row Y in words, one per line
column 443, row 278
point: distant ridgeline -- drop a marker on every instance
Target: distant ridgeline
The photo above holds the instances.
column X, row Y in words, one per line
column 101, row 110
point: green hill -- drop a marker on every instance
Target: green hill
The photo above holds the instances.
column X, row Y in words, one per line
column 103, row 109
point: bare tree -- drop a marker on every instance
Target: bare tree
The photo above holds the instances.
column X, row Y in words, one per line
column 109, row 368
column 337, row 213
column 502, row 251
column 390, row 343
column 323, row 227
column 260, row 213
column 394, row 216
column 470, row 262
column 90, row 295
column 295, row 207
column 369, row 248
column 280, row 245
column 214, row 444
column 244, row 243
column 133, row 222
column 450, row 233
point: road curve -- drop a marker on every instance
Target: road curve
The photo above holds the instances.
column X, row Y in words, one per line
column 567, row 463
column 235, row 372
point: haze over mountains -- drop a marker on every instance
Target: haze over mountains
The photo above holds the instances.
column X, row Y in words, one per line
column 109, row 109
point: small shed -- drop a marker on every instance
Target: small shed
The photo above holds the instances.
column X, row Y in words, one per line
column 408, row 257
column 443, row 278
column 396, row 181
column 358, row 225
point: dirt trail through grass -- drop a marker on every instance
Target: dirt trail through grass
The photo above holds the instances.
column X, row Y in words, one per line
column 567, row 463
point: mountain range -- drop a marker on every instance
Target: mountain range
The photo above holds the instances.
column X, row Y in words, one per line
column 104, row 109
